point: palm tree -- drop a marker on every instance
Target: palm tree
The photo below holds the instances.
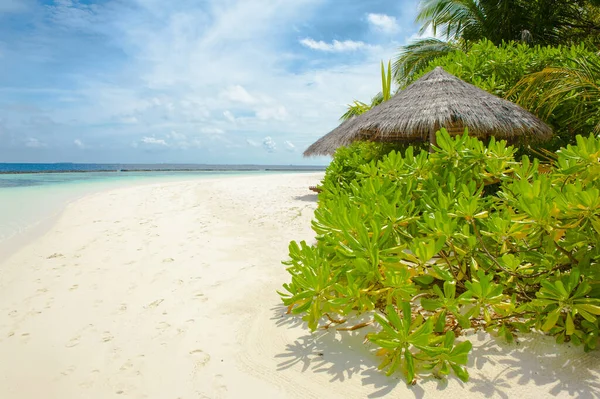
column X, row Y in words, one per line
column 572, row 94
column 472, row 20
column 462, row 22
column 414, row 57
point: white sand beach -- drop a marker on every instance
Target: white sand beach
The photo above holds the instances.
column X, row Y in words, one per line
column 168, row 291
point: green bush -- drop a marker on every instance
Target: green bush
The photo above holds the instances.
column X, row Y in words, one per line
column 347, row 161
column 418, row 243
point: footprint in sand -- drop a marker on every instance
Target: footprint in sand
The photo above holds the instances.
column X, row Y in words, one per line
column 107, row 336
column 25, row 337
column 73, row 342
column 200, row 358
column 49, row 303
column 163, row 325
column 128, row 365
column 219, row 386
column 55, row 255
column 68, row 371
column 74, row 287
column 200, row 296
column 155, row 304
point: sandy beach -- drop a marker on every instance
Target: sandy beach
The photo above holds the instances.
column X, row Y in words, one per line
column 169, row 291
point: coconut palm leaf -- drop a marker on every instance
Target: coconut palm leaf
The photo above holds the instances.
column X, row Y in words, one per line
column 454, row 18
column 571, row 93
column 413, row 58
column 355, row 109
column 358, row 107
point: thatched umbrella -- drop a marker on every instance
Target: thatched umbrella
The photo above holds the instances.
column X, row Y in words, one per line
column 341, row 136
column 437, row 100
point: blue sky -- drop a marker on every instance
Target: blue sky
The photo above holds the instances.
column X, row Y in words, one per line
column 187, row 81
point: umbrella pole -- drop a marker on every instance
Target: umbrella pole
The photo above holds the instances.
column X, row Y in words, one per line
column 432, row 137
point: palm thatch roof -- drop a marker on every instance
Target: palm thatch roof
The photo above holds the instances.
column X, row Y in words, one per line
column 341, row 136
column 437, row 100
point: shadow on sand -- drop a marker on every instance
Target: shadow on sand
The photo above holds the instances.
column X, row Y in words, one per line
column 533, row 359
column 340, row 354
column 307, row 198
column 497, row 369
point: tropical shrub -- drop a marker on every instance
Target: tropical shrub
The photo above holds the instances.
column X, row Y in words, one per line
column 347, row 161
column 419, row 244
column 464, row 22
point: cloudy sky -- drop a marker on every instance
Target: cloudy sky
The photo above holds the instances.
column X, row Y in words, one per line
column 187, row 81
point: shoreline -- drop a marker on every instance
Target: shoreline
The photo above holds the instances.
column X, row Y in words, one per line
column 250, row 168
column 37, row 228
column 169, row 290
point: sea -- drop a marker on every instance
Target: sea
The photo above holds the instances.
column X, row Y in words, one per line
column 33, row 194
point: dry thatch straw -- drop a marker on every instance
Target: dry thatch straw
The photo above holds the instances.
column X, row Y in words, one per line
column 437, row 100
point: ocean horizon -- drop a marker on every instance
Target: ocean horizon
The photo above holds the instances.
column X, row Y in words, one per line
column 71, row 167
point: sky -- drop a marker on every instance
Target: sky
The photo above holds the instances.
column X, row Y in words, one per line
column 187, row 81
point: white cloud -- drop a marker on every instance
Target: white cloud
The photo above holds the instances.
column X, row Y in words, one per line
column 383, row 22
column 277, row 113
column 79, row 144
column 238, row 94
column 252, row 143
column 335, row 46
column 72, row 14
column 154, row 141
column 269, row 144
column 15, row 6
column 129, row 120
column 32, row 142
column 186, row 71
column 229, row 116
column 176, row 136
column 211, row 130
column 289, row 146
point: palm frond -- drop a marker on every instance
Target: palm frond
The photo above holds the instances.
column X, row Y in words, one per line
column 572, row 92
column 453, row 18
column 355, row 109
column 414, row 57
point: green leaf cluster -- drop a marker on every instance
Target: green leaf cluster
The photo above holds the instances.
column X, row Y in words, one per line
column 358, row 107
column 430, row 244
column 347, row 162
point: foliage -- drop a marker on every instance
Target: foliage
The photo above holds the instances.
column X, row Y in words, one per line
column 347, row 161
column 415, row 57
column 464, row 22
column 466, row 237
column 498, row 69
column 358, row 107
column 571, row 94
column 532, row 21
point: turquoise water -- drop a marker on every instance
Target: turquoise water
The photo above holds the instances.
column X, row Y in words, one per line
column 27, row 200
